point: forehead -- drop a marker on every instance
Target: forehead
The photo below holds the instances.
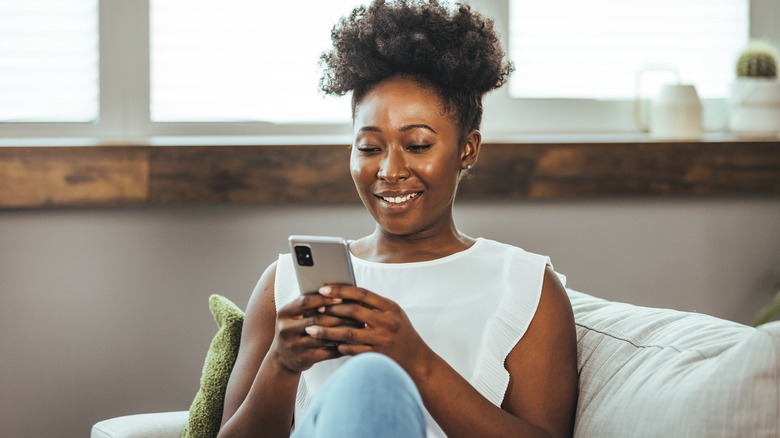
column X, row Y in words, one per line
column 400, row 101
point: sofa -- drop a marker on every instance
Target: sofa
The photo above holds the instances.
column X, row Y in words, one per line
column 643, row 372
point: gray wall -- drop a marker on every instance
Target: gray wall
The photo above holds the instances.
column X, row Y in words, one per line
column 104, row 312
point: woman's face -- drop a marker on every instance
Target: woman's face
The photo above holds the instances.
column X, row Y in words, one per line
column 406, row 160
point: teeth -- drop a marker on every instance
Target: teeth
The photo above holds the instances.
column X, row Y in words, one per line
column 399, row 199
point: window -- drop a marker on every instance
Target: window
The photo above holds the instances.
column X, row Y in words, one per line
column 224, row 61
column 596, row 49
column 48, row 60
column 201, row 68
column 592, row 111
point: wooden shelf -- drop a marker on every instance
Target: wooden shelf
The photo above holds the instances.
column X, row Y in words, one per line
column 108, row 176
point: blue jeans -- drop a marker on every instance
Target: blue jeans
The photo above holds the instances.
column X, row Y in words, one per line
column 369, row 396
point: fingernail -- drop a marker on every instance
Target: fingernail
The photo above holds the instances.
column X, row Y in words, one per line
column 321, row 309
column 311, row 330
column 325, row 290
column 336, row 301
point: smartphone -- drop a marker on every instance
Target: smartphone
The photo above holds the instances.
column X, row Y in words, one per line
column 321, row 260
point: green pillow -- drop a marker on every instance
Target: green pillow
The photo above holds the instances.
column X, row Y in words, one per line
column 206, row 410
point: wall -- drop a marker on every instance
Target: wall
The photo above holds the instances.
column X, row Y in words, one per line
column 104, row 312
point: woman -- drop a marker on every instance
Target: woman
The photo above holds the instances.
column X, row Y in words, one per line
column 462, row 337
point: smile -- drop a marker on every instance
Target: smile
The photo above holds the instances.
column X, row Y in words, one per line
column 399, row 199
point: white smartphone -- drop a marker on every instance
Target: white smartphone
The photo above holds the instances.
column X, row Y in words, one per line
column 321, row 260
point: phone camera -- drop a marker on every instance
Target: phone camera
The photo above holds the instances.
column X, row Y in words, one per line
column 303, row 255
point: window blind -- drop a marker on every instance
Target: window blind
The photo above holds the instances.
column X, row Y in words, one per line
column 49, row 61
column 242, row 60
column 594, row 49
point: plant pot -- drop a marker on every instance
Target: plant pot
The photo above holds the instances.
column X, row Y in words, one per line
column 755, row 108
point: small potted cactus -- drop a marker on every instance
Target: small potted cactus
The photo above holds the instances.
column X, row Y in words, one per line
column 755, row 98
column 758, row 60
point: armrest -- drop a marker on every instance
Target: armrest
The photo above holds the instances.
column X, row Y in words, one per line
column 155, row 425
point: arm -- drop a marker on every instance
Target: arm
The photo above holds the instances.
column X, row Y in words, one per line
column 545, row 362
column 246, row 409
column 542, row 393
column 274, row 350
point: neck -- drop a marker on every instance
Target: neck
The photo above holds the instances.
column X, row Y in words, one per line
column 388, row 248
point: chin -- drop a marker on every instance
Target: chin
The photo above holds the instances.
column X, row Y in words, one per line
column 403, row 231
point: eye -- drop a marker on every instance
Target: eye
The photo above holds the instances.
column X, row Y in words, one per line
column 419, row 147
column 367, row 149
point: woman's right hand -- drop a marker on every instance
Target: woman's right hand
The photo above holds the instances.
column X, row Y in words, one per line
column 292, row 347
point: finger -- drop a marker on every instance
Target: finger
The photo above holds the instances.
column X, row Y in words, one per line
column 354, row 312
column 393, row 319
column 351, row 335
column 292, row 328
column 323, row 316
column 306, row 303
column 353, row 349
column 327, row 320
column 355, row 293
column 307, row 342
column 304, row 346
column 320, row 354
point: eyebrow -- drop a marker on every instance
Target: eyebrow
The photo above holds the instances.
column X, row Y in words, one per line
column 417, row 126
column 403, row 128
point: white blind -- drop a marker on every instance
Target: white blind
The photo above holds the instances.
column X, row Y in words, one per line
column 49, row 61
column 242, row 60
column 595, row 48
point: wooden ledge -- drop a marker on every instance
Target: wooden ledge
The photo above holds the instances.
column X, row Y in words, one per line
column 107, row 176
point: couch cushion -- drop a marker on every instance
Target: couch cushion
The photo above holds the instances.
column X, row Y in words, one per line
column 205, row 413
column 152, row 425
column 661, row 372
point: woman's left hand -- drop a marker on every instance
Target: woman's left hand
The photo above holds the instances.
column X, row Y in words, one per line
column 387, row 328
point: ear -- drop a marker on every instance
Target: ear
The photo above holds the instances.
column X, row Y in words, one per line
column 470, row 150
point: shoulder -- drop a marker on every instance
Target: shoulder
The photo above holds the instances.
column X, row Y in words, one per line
column 554, row 299
column 277, row 286
column 524, row 269
column 260, row 316
column 539, row 264
column 501, row 249
column 554, row 312
column 263, row 295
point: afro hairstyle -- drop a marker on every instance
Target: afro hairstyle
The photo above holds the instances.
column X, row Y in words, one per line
column 453, row 50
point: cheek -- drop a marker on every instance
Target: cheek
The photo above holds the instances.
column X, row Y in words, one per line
column 438, row 170
column 358, row 169
column 429, row 168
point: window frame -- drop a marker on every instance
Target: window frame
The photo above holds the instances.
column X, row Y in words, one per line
column 124, row 94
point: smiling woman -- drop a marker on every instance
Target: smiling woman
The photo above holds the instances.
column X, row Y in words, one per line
column 457, row 352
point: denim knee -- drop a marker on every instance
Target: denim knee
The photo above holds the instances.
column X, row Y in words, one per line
column 369, row 395
column 370, row 367
column 374, row 374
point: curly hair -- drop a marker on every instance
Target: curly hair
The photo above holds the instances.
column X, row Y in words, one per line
column 454, row 51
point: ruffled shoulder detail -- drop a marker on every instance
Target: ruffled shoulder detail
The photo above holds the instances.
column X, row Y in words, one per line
column 285, row 283
column 522, row 288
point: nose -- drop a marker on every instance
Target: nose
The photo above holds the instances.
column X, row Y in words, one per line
column 393, row 167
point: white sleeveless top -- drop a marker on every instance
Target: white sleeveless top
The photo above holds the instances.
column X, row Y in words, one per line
column 471, row 308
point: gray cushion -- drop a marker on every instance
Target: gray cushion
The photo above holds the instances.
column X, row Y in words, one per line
column 661, row 372
column 154, row 425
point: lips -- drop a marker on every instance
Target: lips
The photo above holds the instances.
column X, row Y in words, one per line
column 397, row 198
